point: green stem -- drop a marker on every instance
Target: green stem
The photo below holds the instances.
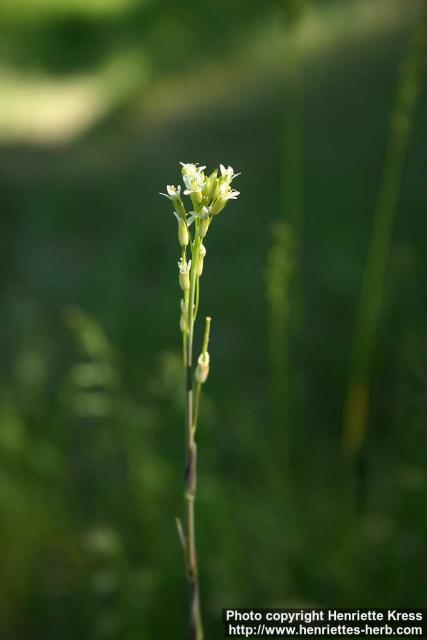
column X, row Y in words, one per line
column 196, row 627
column 196, row 407
column 196, row 305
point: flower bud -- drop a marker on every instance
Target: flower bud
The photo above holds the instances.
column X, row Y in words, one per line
column 196, row 197
column 203, row 226
column 218, row 206
column 211, row 185
column 202, row 369
column 174, row 195
column 183, row 235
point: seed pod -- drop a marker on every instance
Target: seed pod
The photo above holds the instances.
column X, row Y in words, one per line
column 184, row 274
column 202, row 253
column 183, row 319
column 184, row 280
column 183, row 235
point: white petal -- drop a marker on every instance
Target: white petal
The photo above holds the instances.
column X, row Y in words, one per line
column 187, row 182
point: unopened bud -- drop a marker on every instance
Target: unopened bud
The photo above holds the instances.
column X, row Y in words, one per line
column 203, row 226
column 202, row 369
column 183, row 235
column 218, row 206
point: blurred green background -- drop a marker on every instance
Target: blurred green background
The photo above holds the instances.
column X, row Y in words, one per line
column 99, row 101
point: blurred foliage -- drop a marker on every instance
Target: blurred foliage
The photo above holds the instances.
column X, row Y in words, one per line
column 70, row 35
column 91, row 410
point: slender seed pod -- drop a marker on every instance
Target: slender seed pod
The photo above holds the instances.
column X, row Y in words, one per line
column 202, row 253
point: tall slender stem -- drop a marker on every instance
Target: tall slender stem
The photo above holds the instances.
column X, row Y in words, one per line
column 208, row 194
column 196, row 626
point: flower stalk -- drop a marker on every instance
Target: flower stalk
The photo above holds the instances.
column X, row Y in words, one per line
column 208, row 196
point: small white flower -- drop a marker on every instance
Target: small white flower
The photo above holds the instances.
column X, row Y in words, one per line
column 193, row 177
column 172, row 192
column 233, row 194
column 227, row 193
column 224, row 193
column 228, row 173
column 191, row 167
column 198, row 215
column 184, row 267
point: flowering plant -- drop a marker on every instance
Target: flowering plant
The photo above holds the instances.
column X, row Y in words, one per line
column 208, row 194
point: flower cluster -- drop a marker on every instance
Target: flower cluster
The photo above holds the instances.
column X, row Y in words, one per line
column 208, row 195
